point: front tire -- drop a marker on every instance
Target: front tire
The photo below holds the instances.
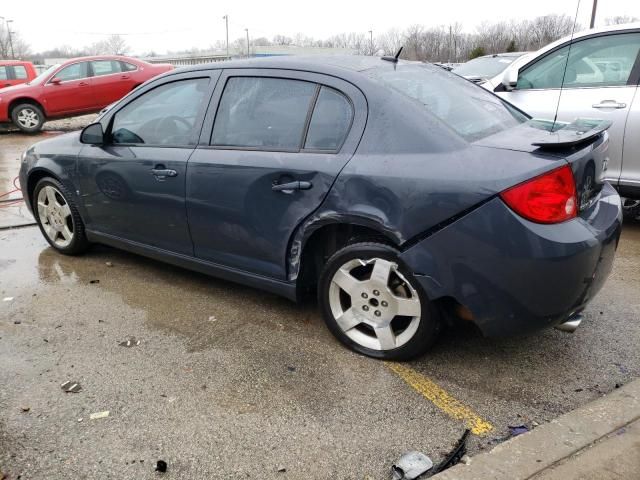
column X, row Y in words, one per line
column 373, row 304
column 58, row 217
column 28, row 117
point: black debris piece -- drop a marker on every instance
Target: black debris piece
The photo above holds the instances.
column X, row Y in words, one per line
column 161, row 466
column 94, row 281
column 459, row 451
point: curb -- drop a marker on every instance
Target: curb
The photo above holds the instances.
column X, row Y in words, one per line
column 529, row 454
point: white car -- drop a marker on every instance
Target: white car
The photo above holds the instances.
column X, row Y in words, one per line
column 488, row 70
column 600, row 81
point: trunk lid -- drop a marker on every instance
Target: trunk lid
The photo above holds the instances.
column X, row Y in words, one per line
column 583, row 144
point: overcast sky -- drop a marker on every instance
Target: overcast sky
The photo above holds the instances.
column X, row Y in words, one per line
column 177, row 25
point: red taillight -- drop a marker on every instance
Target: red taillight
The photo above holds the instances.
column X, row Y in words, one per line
column 549, row 198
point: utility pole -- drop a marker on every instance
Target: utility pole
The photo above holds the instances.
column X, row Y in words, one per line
column 450, row 41
column 226, row 23
column 593, row 13
column 371, row 41
column 247, row 30
column 13, row 55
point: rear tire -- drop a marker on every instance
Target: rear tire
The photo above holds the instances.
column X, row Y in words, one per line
column 58, row 217
column 27, row 117
column 374, row 305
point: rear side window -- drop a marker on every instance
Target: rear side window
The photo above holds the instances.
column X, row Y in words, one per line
column 105, row 67
column 469, row 110
column 602, row 61
column 330, row 121
column 3, row 73
column 127, row 67
column 166, row 115
column 20, row 72
column 263, row 113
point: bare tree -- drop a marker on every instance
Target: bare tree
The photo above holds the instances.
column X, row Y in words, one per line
column 621, row 19
column 116, row 45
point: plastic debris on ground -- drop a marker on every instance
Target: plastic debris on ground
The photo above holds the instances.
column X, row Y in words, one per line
column 518, row 430
column 131, row 342
column 71, row 387
column 411, row 465
column 94, row 281
column 98, row 415
column 161, row 466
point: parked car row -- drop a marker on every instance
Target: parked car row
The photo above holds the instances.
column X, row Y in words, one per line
column 76, row 87
column 599, row 73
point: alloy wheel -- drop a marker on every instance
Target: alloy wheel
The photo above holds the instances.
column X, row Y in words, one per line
column 55, row 216
column 28, row 118
column 374, row 304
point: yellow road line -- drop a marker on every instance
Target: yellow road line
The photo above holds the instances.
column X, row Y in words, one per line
column 441, row 399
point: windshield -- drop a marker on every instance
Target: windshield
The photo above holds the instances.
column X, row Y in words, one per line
column 469, row 110
column 484, row 67
column 40, row 78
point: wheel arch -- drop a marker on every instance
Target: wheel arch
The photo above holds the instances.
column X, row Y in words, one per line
column 34, row 177
column 20, row 100
column 317, row 240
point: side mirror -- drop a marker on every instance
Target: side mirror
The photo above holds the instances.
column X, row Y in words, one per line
column 510, row 78
column 92, row 134
column 55, row 81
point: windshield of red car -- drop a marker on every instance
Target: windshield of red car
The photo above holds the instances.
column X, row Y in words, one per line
column 40, row 78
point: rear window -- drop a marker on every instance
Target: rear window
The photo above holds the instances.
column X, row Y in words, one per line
column 469, row 110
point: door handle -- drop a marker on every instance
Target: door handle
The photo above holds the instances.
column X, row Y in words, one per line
column 289, row 187
column 609, row 104
column 83, row 84
column 124, row 76
column 160, row 172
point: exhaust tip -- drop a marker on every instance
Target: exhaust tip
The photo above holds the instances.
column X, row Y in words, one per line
column 572, row 324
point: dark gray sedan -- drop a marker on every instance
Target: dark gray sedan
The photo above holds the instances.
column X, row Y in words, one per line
column 402, row 194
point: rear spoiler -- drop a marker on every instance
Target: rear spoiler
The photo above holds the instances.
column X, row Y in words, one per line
column 563, row 135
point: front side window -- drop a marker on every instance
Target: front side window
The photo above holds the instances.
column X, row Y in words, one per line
column 3, row 73
column 603, row 61
column 105, row 67
column 469, row 110
column 73, row 72
column 261, row 112
column 166, row 115
column 330, row 121
column 20, row 72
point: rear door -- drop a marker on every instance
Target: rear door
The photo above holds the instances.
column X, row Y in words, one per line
column 267, row 158
column 630, row 176
column 5, row 81
column 600, row 82
column 70, row 91
column 110, row 83
column 134, row 185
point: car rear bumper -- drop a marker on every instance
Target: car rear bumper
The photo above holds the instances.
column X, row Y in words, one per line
column 517, row 276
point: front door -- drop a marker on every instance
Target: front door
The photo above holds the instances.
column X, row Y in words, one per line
column 267, row 162
column 134, row 186
column 69, row 90
column 600, row 81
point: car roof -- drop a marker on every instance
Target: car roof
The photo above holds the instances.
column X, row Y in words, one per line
column 101, row 57
column 593, row 31
column 505, row 54
column 354, row 63
column 13, row 62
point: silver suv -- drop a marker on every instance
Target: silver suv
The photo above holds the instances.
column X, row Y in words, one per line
column 601, row 81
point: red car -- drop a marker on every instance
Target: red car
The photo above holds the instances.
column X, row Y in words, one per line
column 14, row 72
column 76, row 87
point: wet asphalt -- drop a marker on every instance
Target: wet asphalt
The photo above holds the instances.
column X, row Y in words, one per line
column 231, row 382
